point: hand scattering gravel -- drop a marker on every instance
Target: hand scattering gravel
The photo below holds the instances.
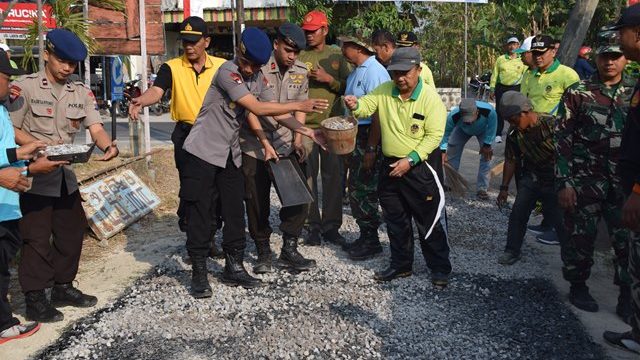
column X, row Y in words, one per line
column 338, row 123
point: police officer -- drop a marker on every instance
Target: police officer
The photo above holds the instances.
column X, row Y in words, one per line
column 188, row 78
column 53, row 108
column 588, row 134
column 287, row 77
column 412, row 120
column 212, row 168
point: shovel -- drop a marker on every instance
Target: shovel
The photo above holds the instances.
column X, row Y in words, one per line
column 290, row 182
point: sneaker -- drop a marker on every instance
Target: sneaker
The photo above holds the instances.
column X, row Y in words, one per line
column 498, row 139
column 622, row 340
column 482, row 195
column 69, row 295
column 548, row 238
column 507, row 258
column 538, row 229
column 19, row 331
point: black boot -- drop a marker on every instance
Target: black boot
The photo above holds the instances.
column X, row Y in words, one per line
column 356, row 244
column 579, row 296
column 200, row 287
column 39, row 308
column 67, row 295
column 215, row 252
column 235, row 274
column 291, row 258
column 263, row 264
column 369, row 248
column 623, row 309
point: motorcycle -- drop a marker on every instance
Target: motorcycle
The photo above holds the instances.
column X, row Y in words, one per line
column 131, row 90
column 480, row 86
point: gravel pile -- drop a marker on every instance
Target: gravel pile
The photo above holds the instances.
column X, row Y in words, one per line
column 337, row 311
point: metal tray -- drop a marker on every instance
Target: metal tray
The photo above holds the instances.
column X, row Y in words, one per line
column 74, row 158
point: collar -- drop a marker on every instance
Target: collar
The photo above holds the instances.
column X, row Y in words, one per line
column 207, row 62
column 44, row 83
column 554, row 66
column 272, row 66
column 395, row 92
column 368, row 62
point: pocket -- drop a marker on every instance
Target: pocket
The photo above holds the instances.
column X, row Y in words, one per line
column 75, row 117
column 416, row 129
column 42, row 120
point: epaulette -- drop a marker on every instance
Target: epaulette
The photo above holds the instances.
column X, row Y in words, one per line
column 25, row 77
column 300, row 64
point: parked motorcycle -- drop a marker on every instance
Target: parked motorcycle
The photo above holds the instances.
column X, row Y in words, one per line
column 131, row 90
column 480, row 86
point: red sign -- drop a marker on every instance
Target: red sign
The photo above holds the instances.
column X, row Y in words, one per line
column 22, row 15
column 632, row 2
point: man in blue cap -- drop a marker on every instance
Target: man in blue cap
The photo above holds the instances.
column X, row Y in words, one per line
column 53, row 108
column 288, row 78
column 212, row 168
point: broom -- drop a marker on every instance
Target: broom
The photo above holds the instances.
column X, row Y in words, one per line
column 457, row 184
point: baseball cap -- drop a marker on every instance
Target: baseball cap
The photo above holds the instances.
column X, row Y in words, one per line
column 403, row 59
column 525, row 46
column 292, row 35
column 255, row 45
column 358, row 41
column 513, row 103
column 5, row 65
column 314, row 20
column 4, row 47
column 542, row 43
column 629, row 17
column 192, row 29
column 512, row 39
column 406, row 39
column 468, row 110
column 609, row 42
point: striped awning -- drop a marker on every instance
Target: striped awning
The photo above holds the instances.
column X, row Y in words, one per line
column 226, row 15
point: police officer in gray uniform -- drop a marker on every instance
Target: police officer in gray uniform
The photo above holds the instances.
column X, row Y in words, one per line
column 287, row 77
column 53, row 108
column 212, row 169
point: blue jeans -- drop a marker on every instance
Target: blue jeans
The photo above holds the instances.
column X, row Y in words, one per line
column 457, row 140
column 529, row 191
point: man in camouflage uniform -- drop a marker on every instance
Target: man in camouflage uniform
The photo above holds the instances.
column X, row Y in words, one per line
column 588, row 135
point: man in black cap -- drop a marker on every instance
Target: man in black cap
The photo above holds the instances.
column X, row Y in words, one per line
column 412, row 120
column 188, row 77
column 287, row 77
column 53, row 108
column 212, row 168
column 629, row 27
column 410, row 39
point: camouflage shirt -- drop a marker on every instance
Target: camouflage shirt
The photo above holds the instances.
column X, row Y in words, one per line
column 533, row 148
column 588, row 135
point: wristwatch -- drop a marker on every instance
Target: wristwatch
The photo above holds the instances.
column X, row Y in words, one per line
column 411, row 162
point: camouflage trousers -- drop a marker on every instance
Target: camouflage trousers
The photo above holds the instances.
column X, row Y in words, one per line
column 582, row 227
column 363, row 185
column 634, row 271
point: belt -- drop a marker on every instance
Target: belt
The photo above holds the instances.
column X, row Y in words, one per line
column 183, row 125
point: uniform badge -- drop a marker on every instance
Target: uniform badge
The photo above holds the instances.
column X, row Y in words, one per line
column 188, row 27
column 414, row 128
column 403, row 37
column 45, row 82
column 232, row 105
column 309, row 66
column 236, row 77
column 548, row 88
column 273, row 66
column 309, row 18
column 49, row 111
column 335, row 65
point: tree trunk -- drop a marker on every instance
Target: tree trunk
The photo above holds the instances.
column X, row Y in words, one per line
column 576, row 30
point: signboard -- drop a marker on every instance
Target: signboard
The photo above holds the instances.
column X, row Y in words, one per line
column 447, row 1
column 117, row 79
column 21, row 16
column 113, row 203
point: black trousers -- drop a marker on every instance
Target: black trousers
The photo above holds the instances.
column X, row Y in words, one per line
column 501, row 89
column 203, row 185
column 10, row 242
column 258, row 180
column 417, row 195
column 178, row 136
column 46, row 262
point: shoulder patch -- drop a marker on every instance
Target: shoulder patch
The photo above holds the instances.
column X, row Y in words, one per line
column 236, row 77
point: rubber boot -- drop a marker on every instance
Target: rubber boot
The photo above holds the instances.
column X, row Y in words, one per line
column 263, row 264
column 200, row 287
column 624, row 309
column 39, row 308
column 235, row 274
column 356, row 244
column 579, row 296
column 291, row 258
column 369, row 248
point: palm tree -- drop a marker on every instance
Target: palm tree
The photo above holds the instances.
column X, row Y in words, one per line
column 68, row 15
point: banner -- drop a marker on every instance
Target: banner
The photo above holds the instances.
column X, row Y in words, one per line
column 21, row 16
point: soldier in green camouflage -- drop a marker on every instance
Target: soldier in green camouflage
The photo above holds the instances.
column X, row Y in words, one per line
column 588, row 135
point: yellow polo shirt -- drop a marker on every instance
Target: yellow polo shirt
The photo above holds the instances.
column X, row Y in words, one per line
column 507, row 71
column 427, row 75
column 545, row 89
column 407, row 126
column 187, row 91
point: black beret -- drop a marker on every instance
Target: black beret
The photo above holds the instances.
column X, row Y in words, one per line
column 292, row 35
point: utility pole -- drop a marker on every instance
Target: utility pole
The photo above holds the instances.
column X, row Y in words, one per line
column 40, row 38
column 576, row 30
column 239, row 25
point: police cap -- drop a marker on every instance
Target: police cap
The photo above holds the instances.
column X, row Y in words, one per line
column 66, row 45
column 192, row 29
column 255, row 46
column 293, row 35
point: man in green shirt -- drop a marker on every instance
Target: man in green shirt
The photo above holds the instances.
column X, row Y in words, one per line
column 328, row 71
column 507, row 75
column 412, row 121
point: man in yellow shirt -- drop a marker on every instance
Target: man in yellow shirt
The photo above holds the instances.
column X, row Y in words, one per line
column 507, row 75
column 188, row 77
column 412, row 121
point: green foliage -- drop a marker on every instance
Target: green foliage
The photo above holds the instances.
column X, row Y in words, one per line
column 68, row 15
